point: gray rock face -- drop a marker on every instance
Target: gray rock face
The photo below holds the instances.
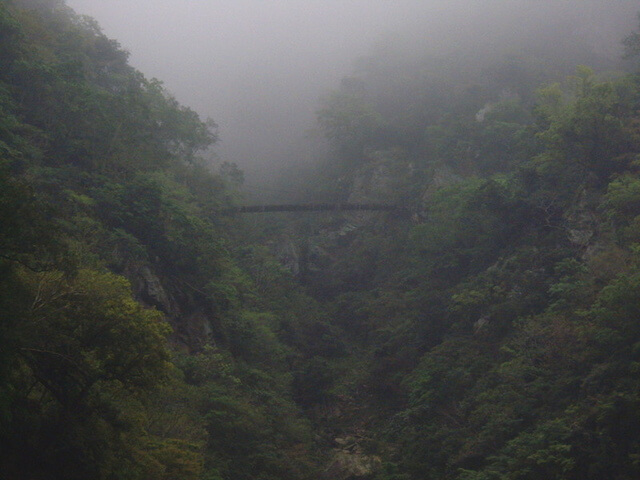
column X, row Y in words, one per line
column 151, row 290
column 190, row 319
column 441, row 176
column 371, row 183
column 581, row 222
column 580, row 237
column 287, row 254
column 481, row 324
column 346, row 464
column 377, row 182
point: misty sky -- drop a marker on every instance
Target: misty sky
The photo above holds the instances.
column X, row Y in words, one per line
column 258, row 67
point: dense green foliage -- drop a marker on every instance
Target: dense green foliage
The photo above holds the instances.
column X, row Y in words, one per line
column 491, row 334
column 136, row 343
column 499, row 329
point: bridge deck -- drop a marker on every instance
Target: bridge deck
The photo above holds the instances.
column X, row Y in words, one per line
column 315, row 207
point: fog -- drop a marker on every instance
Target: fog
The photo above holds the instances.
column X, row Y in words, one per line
column 258, row 67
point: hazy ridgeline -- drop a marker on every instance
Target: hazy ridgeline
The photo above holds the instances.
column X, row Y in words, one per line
column 259, row 68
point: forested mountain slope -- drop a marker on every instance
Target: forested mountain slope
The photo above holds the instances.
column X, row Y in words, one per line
column 499, row 331
column 136, row 341
column 146, row 334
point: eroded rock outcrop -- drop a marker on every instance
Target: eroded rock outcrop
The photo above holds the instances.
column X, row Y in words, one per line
column 285, row 250
column 349, row 464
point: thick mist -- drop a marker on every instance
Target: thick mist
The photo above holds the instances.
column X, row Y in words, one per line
column 259, row 67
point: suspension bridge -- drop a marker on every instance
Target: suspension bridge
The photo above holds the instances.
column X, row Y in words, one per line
column 317, row 207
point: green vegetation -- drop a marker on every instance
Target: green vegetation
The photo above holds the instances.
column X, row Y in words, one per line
column 146, row 334
column 499, row 328
column 134, row 343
